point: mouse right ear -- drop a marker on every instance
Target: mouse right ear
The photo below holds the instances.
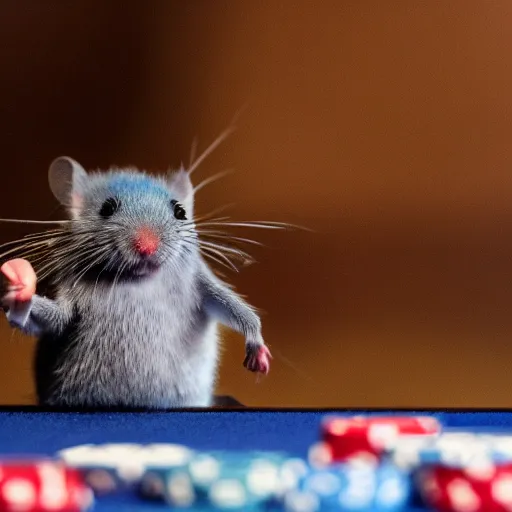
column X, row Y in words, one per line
column 67, row 180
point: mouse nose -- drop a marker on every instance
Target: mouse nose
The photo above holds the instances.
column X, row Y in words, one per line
column 146, row 242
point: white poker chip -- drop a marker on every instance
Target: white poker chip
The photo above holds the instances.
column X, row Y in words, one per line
column 227, row 493
column 21, row 493
column 77, row 454
column 263, row 478
column 290, row 474
column 180, row 491
column 166, row 455
column 301, row 501
column 204, row 470
column 320, row 455
column 452, row 449
column 107, row 465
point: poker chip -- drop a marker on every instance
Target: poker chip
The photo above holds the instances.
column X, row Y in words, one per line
column 103, row 466
column 238, row 481
column 366, row 438
column 42, row 486
column 450, row 489
column 160, row 462
column 222, row 480
column 350, row 487
column 109, row 468
column 452, row 449
column 229, row 480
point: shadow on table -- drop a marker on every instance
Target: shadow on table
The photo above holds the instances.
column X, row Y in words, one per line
column 220, row 403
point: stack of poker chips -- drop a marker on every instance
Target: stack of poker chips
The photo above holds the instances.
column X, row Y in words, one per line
column 184, row 479
column 459, row 471
column 366, row 438
column 117, row 467
column 42, row 485
column 353, row 477
column 223, row 480
column 351, row 486
column 349, row 470
column 362, row 463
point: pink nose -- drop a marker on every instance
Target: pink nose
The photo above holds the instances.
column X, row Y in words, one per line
column 146, row 242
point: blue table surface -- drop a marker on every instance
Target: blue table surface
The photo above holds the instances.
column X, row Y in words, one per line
column 47, row 432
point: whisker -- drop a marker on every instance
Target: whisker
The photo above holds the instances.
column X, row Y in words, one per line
column 215, row 254
column 217, row 260
column 212, row 179
column 49, row 270
column 192, row 223
column 239, row 225
column 46, row 232
column 203, row 217
column 50, row 238
column 209, row 150
column 91, row 264
column 27, row 221
column 97, row 279
column 193, row 149
column 227, row 236
column 29, row 238
column 22, row 244
column 25, row 250
column 254, row 224
column 215, row 212
column 119, row 271
column 76, row 258
column 66, row 261
column 230, row 250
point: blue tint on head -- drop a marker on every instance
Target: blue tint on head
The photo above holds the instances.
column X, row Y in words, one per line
column 133, row 184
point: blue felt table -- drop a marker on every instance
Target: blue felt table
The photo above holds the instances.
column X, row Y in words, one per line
column 23, row 432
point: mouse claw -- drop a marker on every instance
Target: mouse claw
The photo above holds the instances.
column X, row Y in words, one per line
column 257, row 358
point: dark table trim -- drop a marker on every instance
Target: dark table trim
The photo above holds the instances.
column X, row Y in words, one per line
column 229, row 403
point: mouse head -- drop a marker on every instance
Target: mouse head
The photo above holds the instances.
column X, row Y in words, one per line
column 126, row 218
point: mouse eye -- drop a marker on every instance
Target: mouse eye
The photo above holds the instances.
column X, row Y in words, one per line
column 179, row 211
column 109, row 207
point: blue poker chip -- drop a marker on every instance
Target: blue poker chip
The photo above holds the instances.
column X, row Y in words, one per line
column 350, row 487
column 243, row 480
column 221, row 480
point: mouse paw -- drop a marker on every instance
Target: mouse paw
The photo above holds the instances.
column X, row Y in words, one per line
column 257, row 358
column 18, row 288
column 19, row 282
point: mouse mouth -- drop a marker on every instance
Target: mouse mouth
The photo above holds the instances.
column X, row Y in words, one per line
column 143, row 268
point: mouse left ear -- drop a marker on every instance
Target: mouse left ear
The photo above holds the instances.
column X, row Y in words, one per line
column 181, row 186
column 67, row 179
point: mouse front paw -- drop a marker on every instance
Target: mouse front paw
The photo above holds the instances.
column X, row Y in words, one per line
column 18, row 288
column 257, row 358
column 19, row 281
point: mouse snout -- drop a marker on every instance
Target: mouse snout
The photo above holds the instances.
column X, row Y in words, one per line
column 146, row 241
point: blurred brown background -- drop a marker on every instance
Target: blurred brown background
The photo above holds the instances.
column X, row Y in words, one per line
column 384, row 125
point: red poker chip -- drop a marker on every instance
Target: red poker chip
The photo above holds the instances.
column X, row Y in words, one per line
column 42, row 486
column 366, row 438
column 478, row 489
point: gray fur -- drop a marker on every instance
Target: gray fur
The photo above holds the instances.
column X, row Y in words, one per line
column 146, row 341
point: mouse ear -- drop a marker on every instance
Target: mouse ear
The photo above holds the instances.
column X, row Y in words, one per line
column 181, row 186
column 67, row 180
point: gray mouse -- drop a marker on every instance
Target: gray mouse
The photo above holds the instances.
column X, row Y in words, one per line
column 135, row 315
